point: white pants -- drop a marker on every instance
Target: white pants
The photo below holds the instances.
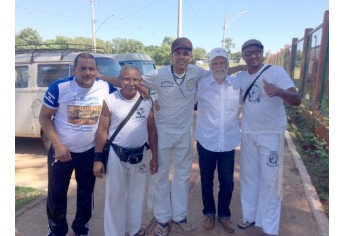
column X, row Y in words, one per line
column 174, row 206
column 124, row 195
column 261, row 156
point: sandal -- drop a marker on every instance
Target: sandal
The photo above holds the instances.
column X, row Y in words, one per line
column 141, row 232
column 186, row 226
column 245, row 225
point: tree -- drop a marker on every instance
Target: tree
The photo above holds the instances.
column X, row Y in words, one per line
column 152, row 50
column 168, row 40
column 28, row 36
column 229, row 44
column 162, row 55
column 123, row 45
column 199, row 53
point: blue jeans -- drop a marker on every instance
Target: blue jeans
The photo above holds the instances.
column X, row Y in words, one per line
column 224, row 161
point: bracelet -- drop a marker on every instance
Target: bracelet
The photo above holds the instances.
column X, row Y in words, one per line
column 97, row 156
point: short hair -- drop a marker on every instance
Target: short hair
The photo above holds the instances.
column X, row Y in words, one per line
column 129, row 67
column 84, row 55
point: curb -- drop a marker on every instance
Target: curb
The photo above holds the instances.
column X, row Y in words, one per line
column 30, row 205
column 309, row 189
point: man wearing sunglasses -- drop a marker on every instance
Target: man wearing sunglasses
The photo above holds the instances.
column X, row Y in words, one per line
column 263, row 90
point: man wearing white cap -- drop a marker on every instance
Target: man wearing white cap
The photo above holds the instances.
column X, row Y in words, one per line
column 264, row 90
column 217, row 134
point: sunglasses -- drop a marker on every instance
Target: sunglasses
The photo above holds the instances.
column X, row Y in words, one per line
column 249, row 53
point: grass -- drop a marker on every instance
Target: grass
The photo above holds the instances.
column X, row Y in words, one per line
column 25, row 195
column 313, row 151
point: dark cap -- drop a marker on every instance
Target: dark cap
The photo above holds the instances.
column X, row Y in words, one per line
column 181, row 43
column 252, row 42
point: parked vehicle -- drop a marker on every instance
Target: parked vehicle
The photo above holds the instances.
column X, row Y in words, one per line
column 143, row 61
column 35, row 70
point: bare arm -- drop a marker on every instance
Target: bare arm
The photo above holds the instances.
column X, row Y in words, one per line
column 101, row 139
column 232, row 70
column 115, row 81
column 45, row 118
column 290, row 95
column 153, row 140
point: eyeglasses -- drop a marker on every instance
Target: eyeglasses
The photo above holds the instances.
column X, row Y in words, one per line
column 128, row 80
column 249, row 53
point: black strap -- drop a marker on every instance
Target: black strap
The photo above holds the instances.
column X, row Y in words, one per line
column 250, row 87
column 125, row 120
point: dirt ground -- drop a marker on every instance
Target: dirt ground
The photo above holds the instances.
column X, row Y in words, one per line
column 296, row 219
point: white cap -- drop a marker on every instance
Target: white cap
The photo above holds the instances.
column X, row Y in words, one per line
column 217, row 52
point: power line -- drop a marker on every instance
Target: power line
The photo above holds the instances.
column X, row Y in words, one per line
column 51, row 13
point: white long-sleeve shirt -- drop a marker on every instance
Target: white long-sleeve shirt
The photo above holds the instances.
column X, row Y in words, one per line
column 218, row 127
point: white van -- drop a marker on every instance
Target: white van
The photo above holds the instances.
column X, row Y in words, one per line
column 34, row 72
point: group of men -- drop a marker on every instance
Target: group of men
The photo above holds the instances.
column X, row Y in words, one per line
column 80, row 113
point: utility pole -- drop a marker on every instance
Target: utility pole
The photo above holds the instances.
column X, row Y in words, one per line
column 179, row 21
column 224, row 32
column 94, row 45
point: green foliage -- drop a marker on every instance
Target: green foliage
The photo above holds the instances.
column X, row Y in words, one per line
column 161, row 54
column 313, row 151
column 24, row 195
column 28, row 36
column 229, row 44
column 199, row 54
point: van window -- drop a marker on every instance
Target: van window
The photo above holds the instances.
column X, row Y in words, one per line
column 48, row 73
column 108, row 66
column 22, row 76
column 143, row 66
column 148, row 66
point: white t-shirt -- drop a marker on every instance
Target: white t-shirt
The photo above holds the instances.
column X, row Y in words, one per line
column 261, row 113
column 134, row 133
column 176, row 100
column 78, row 110
column 217, row 127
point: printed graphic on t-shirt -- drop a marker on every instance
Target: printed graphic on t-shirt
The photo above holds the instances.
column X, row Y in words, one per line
column 167, row 84
column 83, row 115
column 255, row 94
column 140, row 112
column 191, row 84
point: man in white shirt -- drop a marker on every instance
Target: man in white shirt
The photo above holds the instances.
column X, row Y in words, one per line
column 217, row 134
column 175, row 85
column 262, row 140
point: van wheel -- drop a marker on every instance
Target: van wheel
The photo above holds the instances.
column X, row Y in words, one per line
column 46, row 142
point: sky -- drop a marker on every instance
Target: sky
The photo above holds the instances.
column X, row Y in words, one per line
column 273, row 22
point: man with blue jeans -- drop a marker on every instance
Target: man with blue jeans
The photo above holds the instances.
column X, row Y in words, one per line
column 217, row 135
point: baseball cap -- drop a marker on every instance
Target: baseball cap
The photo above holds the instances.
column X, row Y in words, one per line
column 252, row 42
column 217, row 52
column 181, row 43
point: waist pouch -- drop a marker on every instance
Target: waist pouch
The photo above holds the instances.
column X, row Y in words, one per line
column 131, row 155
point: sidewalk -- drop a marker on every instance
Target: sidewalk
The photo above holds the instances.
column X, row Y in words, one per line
column 301, row 213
